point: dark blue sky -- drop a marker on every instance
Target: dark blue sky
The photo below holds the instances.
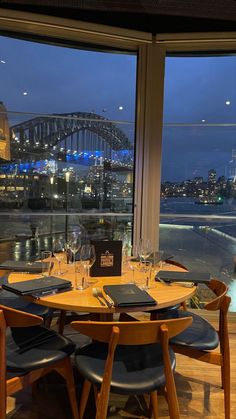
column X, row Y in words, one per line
column 61, row 80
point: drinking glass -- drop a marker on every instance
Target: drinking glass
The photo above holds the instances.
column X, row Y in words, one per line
column 74, row 244
column 133, row 265
column 80, row 282
column 145, row 269
column 46, row 259
column 88, row 257
column 144, row 249
column 59, row 251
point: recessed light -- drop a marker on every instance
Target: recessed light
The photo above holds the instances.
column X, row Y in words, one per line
column 227, row 102
column 25, row 93
column 120, row 108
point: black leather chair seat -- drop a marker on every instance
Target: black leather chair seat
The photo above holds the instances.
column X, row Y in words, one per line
column 136, row 369
column 166, row 309
column 200, row 335
column 12, row 300
column 30, row 348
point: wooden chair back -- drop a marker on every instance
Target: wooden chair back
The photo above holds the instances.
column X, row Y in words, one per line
column 16, row 318
column 132, row 333
column 12, row 318
column 221, row 302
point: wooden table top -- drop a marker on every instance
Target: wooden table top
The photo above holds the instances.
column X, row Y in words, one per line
column 84, row 301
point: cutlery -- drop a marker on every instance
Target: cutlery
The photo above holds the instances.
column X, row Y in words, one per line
column 100, row 294
column 164, row 282
column 95, row 294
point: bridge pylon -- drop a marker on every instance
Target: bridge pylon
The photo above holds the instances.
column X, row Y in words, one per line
column 4, row 134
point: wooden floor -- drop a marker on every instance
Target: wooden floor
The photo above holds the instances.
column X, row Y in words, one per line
column 198, row 388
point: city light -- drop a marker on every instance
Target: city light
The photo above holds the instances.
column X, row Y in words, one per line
column 67, row 177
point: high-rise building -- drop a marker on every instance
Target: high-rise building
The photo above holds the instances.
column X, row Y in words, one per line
column 212, row 176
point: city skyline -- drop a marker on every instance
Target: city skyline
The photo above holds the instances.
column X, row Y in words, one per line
column 200, row 95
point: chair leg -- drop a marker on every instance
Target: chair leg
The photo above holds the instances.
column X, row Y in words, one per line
column 225, row 375
column 84, row 398
column 154, row 404
column 65, row 369
column 173, row 404
column 62, row 320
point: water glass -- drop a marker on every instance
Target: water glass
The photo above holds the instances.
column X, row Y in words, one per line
column 133, row 266
column 46, row 259
column 59, row 251
column 80, row 281
column 145, row 269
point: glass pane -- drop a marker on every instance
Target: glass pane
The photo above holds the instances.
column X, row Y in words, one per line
column 198, row 205
column 66, row 144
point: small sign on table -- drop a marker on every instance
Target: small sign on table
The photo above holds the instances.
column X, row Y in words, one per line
column 108, row 258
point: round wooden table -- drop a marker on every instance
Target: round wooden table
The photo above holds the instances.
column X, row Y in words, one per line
column 84, row 301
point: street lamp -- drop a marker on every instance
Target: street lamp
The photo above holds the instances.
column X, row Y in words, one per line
column 67, row 178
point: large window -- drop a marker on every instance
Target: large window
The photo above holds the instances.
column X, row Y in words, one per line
column 198, row 187
column 66, row 142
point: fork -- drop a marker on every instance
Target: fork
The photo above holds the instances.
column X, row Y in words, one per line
column 96, row 295
column 100, row 294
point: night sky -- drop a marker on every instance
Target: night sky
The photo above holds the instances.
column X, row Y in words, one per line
column 60, row 80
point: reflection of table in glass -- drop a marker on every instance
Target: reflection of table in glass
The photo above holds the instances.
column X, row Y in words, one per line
column 84, row 301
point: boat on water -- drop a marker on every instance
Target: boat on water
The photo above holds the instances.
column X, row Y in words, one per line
column 210, row 200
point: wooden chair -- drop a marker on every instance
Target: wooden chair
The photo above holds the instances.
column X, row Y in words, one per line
column 29, row 352
column 156, row 314
column 129, row 358
column 201, row 338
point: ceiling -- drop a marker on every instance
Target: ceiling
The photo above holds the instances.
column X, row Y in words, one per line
column 156, row 16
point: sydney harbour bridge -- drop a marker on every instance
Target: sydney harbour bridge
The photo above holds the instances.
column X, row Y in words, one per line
column 79, row 136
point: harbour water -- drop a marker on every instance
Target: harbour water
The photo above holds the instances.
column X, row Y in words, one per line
column 202, row 237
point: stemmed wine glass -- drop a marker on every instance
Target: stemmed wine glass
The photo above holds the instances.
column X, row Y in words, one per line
column 74, row 244
column 144, row 249
column 87, row 257
column 59, row 247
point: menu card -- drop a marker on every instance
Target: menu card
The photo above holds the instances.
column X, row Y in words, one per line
column 127, row 295
column 108, row 258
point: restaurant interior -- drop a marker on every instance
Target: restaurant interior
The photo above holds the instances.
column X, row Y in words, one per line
column 108, row 308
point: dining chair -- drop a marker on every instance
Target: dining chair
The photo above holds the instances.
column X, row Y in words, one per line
column 28, row 351
column 200, row 339
column 12, row 300
column 156, row 314
column 129, row 358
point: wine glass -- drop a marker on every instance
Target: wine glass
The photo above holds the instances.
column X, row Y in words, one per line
column 144, row 249
column 74, row 244
column 59, row 248
column 87, row 257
